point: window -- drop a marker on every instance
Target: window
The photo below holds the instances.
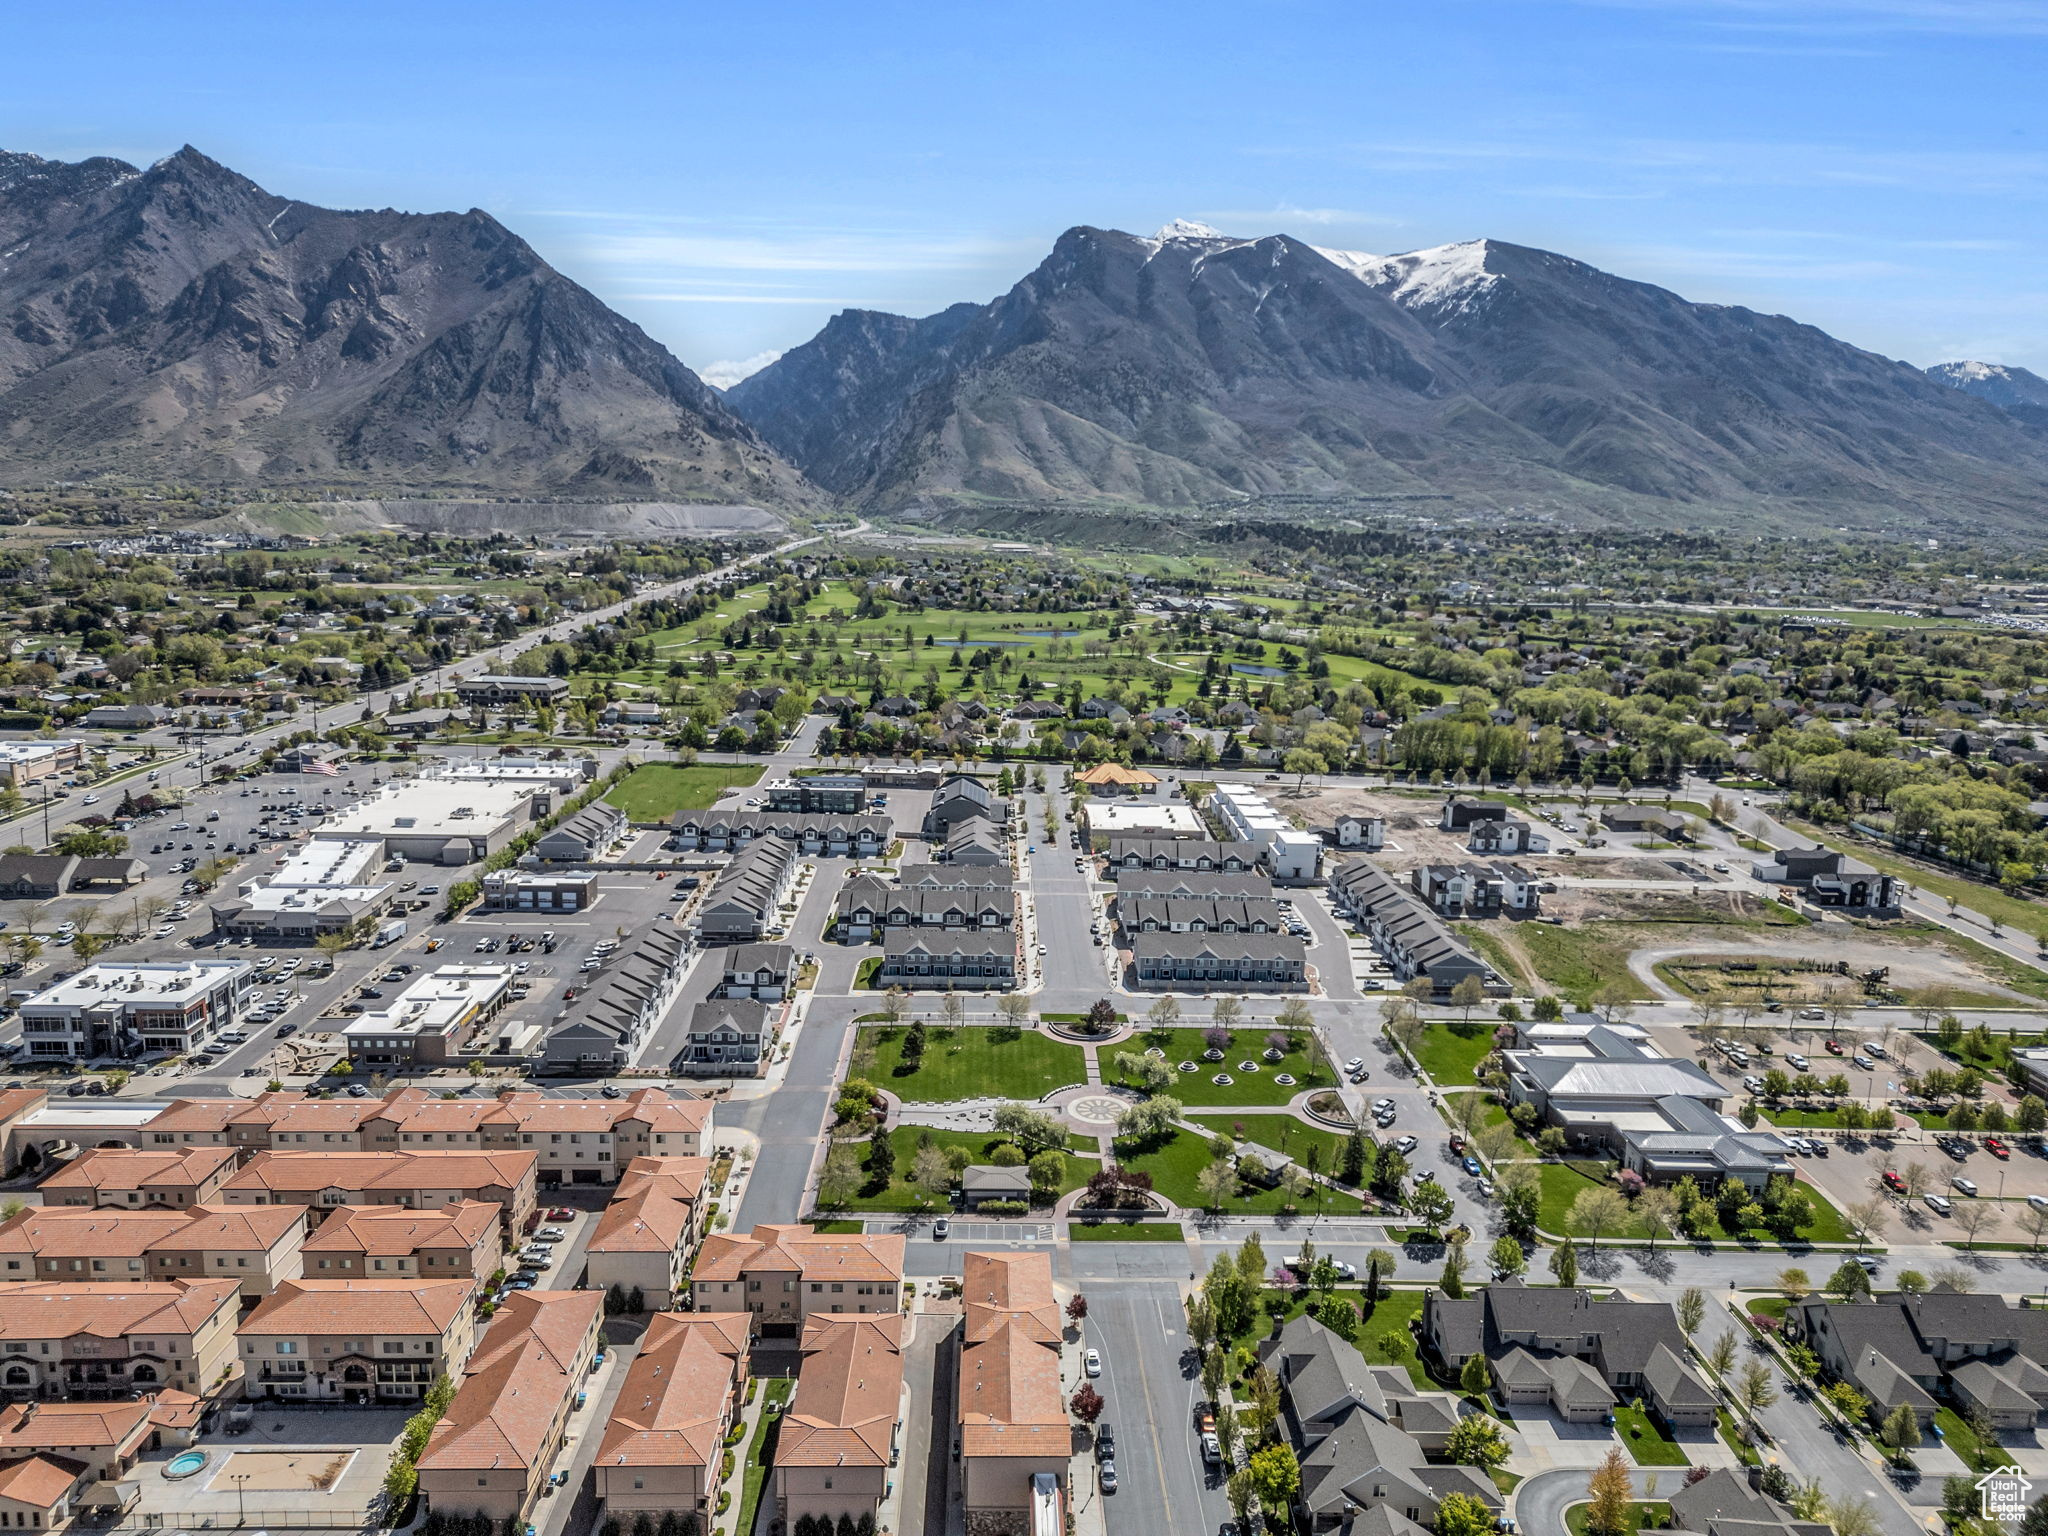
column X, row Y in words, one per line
column 287, row 1346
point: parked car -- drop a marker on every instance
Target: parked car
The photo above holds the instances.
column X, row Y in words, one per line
column 1939, row 1204
column 1963, row 1185
column 1996, row 1146
column 1091, row 1363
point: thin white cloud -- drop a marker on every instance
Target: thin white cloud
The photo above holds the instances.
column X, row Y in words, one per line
column 723, row 375
column 1979, row 18
column 1282, row 215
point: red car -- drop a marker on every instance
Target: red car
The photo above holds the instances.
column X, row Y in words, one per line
column 1834, row 1047
column 1893, row 1182
column 1996, row 1147
column 560, row 1213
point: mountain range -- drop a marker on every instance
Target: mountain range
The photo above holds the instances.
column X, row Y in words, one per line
column 182, row 324
column 1191, row 367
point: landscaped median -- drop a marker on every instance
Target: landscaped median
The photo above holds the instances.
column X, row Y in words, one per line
column 1563, row 1211
column 896, row 1186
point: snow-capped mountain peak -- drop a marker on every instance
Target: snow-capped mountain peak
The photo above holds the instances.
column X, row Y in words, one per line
column 1188, row 229
column 1444, row 275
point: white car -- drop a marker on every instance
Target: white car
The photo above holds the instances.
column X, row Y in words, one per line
column 1091, row 1363
column 1406, row 1145
column 1811, row 1015
column 1797, row 1062
column 1354, row 1064
column 1344, row 1271
column 1381, row 1104
column 1872, row 1048
column 1939, row 1204
column 1966, row 1186
column 2038, row 1202
column 1863, row 1061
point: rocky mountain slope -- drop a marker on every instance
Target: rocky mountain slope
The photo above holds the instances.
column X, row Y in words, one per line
column 1191, row 368
column 181, row 323
column 2017, row 390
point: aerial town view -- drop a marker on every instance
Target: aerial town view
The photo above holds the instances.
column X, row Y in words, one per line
column 1246, row 890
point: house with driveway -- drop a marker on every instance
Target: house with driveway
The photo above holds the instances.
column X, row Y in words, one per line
column 1571, row 1352
column 1943, row 1348
column 1363, row 1436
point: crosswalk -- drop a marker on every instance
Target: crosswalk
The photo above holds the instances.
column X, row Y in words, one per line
column 985, row 1231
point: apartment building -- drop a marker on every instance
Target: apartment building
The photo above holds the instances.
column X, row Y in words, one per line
column 664, row 1443
column 255, row 1248
column 643, row 1240
column 356, row 1341
column 317, row 1182
column 1013, row 1424
column 435, row 1021
column 785, row 1275
column 97, row 1340
column 576, row 1141
column 491, row 1452
column 460, row 1241
column 53, row 1454
column 841, row 1432
column 146, row 1176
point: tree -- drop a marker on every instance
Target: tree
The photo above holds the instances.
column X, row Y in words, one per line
column 1794, row 1283
column 882, row 1161
column 1163, row 1014
column 1431, row 1203
column 1101, row 1016
column 1474, row 1378
column 1722, row 1356
column 1452, row 1280
column 1468, row 994
column 1852, row 1517
column 1848, row 1402
column 1015, row 1009
column 1564, row 1264
column 1656, row 1209
column 1229, row 1296
column 1087, row 1403
column 1460, row 1514
column 1692, row 1308
column 1756, row 1389
column 839, row 1180
column 1276, row 1477
column 1610, row 1495
column 1868, row 1219
column 1849, row 1282
column 1476, row 1440
column 1379, row 1267
column 1032, row 1129
column 1597, row 1208
column 1226, row 1011
column 1238, row 1490
column 931, row 1173
column 1048, row 1171
column 1077, row 1307
column 1216, row 1183
column 1975, row 1218
column 896, row 1003
column 1201, row 1320
column 1356, row 1156
column 1901, row 1430
column 1508, row 1256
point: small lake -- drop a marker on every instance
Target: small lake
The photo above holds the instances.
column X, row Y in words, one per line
column 975, row 645
column 1248, row 669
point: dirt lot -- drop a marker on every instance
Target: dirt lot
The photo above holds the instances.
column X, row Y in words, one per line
column 1699, row 968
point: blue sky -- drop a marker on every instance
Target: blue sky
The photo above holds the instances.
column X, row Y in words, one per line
column 729, row 176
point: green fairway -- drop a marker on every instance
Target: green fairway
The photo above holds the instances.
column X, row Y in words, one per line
column 656, row 791
column 1256, row 1086
column 974, row 1061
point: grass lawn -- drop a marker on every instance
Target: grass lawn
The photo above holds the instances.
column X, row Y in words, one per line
column 1832, row 1118
column 1577, row 962
column 1176, row 1165
column 1650, row 1446
column 902, row 1195
column 1281, row 1133
column 1769, row 1306
column 864, row 976
column 1450, row 1052
column 1126, row 1232
column 1956, row 1435
column 1646, row 1516
column 1194, row 1088
column 1725, row 1423
column 761, row 1449
column 656, row 791
column 1562, row 1183
column 1494, row 952
column 840, row 1228
column 1384, row 1338
column 974, row 1061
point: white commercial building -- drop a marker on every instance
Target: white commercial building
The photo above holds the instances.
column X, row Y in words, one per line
column 1290, row 854
column 131, row 1008
column 436, row 820
column 432, row 1021
column 24, row 762
column 1143, row 818
column 322, row 888
column 560, row 776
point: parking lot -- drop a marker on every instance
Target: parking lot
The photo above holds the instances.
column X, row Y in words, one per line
column 2009, row 1171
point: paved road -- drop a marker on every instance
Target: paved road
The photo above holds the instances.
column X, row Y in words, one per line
column 1541, row 1501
